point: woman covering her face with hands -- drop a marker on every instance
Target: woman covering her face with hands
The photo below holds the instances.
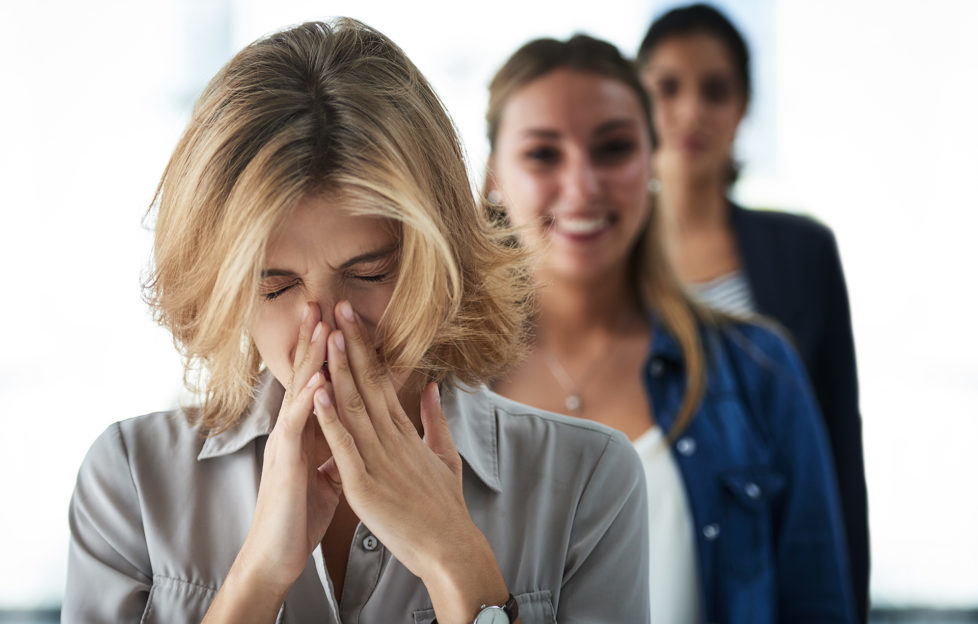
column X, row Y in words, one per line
column 743, row 509
column 321, row 263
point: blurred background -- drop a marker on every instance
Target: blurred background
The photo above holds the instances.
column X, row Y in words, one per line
column 865, row 116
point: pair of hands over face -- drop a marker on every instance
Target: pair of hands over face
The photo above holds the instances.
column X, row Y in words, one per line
column 408, row 490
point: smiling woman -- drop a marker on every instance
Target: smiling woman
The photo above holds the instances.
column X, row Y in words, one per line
column 339, row 299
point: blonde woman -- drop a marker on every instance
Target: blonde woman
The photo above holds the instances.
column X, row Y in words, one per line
column 319, row 261
column 743, row 510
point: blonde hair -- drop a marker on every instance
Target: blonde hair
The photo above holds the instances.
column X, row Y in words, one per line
column 650, row 273
column 327, row 107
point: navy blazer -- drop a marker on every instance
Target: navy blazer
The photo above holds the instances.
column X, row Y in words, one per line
column 795, row 277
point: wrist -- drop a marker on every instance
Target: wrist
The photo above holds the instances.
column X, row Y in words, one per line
column 246, row 595
column 464, row 578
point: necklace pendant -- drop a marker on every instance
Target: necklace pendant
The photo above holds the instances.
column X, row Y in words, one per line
column 573, row 403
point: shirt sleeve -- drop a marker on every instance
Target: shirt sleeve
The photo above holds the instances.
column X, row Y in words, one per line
column 109, row 574
column 812, row 564
column 608, row 558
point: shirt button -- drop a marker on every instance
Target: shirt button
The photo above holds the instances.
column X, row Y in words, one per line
column 711, row 531
column 656, row 367
column 370, row 543
column 686, row 446
column 752, row 490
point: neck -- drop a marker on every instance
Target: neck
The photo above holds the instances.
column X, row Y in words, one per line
column 691, row 206
column 574, row 315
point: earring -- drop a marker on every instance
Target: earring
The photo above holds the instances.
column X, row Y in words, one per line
column 495, row 197
column 655, row 186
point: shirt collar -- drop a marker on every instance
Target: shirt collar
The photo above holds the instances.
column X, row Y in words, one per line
column 469, row 412
column 471, row 418
column 257, row 421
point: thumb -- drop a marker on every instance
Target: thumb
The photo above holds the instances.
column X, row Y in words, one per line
column 436, row 433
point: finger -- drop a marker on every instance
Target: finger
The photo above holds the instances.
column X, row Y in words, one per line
column 310, row 316
column 348, row 401
column 346, row 456
column 292, row 419
column 437, row 435
column 332, row 474
column 372, row 380
column 314, row 354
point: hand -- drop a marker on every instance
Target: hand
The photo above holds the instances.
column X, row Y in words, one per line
column 296, row 498
column 408, row 491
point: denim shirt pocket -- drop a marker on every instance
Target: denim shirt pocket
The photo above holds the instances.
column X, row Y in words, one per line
column 749, row 543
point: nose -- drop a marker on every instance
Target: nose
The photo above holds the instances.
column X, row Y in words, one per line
column 691, row 106
column 581, row 181
column 324, row 302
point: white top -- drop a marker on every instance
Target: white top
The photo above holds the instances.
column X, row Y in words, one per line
column 674, row 587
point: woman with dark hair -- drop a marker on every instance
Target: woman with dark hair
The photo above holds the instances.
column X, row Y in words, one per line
column 743, row 510
column 695, row 66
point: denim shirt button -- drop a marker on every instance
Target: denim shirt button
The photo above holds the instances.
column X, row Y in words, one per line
column 656, row 367
column 752, row 490
column 711, row 531
column 686, row 446
column 370, row 543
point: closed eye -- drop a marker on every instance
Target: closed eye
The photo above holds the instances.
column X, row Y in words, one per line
column 379, row 277
column 276, row 293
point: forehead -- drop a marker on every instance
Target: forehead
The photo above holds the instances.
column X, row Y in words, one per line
column 322, row 228
column 698, row 52
column 569, row 100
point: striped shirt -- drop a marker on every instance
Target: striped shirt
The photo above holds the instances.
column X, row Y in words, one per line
column 728, row 293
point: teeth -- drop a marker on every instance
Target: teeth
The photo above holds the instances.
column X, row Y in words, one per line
column 577, row 225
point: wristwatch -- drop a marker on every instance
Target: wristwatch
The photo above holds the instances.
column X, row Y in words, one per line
column 506, row 614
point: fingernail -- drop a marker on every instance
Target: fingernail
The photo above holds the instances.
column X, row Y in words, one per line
column 437, row 394
column 347, row 311
column 313, row 380
column 305, row 313
column 340, row 343
column 317, row 331
column 322, row 397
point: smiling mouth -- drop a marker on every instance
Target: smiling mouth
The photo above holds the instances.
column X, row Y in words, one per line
column 582, row 226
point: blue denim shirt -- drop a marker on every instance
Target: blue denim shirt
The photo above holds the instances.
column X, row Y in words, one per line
column 759, row 479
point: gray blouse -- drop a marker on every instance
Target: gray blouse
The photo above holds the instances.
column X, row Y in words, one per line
column 159, row 513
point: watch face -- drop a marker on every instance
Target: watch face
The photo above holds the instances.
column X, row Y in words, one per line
column 492, row 615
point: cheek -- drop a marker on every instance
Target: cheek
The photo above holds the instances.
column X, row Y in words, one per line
column 630, row 181
column 371, row 303
column 526, row 194
column 275, row 330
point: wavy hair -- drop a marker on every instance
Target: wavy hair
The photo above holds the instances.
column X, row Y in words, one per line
column 327, row 107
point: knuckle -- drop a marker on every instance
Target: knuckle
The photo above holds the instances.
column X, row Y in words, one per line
column 354, row 402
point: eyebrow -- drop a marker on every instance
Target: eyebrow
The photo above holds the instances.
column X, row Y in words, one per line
column 606, row 127
column 615, row 124
column 370, row 256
